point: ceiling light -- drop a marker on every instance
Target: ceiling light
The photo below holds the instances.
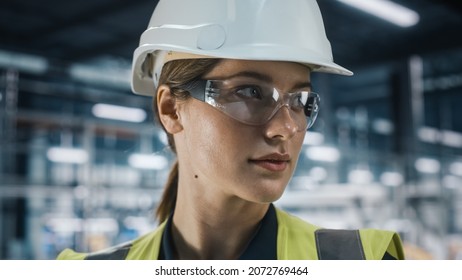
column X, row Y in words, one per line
column 163, row 137
column 327, row 154
column 383, row 126
column 319, row 174
column 313, row 138
column 428, row 134
column 120, row 113
column 427, row 165
column 387, row 10
column 451, row 182
column 360, row 176
column 392, row 179
column 456, row 168
column 103, row 71
column 23, row 62
column 67, row 155
column 451, row 138
column 145, row 161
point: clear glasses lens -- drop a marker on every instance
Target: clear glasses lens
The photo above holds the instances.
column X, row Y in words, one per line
column 256, row 103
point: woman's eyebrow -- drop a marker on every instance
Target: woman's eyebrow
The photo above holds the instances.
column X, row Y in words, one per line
column 262, row 77
column 303, row 85
column 250, row 74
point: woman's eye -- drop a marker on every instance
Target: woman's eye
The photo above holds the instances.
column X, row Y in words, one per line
column 299, row 100
column 249, row 92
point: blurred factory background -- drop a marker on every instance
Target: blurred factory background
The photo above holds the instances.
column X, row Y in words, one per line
column 83, row 165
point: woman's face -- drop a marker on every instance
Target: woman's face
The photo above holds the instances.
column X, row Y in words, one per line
column 219, row 155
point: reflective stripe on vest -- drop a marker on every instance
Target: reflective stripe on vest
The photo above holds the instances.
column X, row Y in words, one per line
column 334, row 244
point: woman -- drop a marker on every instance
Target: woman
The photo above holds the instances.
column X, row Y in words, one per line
column 231, row 87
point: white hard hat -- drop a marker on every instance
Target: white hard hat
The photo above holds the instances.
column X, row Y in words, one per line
column 273, row 30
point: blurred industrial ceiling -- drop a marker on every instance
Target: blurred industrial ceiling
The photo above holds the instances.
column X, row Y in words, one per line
column 87, row 30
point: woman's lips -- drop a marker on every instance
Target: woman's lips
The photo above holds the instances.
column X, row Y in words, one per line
column 272, row 162
column 271, row 165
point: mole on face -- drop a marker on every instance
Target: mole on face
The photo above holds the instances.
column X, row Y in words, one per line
column 195, row 176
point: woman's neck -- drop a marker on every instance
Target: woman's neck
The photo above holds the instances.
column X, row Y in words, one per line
column 214, row 229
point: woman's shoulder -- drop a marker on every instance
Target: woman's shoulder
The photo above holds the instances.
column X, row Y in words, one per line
column 373, row 243
column 69, row 254
column 118, row 252
column 144, row 247
column 381, row 244
column 290, row 222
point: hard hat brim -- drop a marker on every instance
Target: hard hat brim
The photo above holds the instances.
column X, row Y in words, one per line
column 144, row 85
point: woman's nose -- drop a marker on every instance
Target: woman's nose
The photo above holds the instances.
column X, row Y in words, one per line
column 282, row 125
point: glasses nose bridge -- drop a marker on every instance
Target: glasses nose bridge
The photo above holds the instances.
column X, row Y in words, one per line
column 281, row 98
column 281, row 102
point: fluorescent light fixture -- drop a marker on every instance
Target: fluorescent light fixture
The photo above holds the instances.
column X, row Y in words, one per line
column 65, row 225
column 448, row 138
column 163, row 137
column 456, row 168
column 324, row 153
column 105, row 71
column 23, row 62
column 360, row 176
column 318, row 174
column 97, row 225
column 427, row 165
column 67, row 155
column 451, row 138
column 383, row 126
column 387, row 10
column 392, row 179
column 120, row 113
column 451, row 182
column 145, row 161
column 428, row 134
column 313, row 138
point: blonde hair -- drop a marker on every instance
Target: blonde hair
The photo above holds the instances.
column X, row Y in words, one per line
column 176, row 74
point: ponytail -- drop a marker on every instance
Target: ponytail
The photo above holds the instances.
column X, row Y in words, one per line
column 168, row 200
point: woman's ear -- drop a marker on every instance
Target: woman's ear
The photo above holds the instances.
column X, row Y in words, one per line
column 168, row 110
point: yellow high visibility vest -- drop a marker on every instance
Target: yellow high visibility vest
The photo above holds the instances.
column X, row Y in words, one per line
column 296, row 240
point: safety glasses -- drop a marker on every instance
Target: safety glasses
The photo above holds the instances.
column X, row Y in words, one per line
column 255, row 103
